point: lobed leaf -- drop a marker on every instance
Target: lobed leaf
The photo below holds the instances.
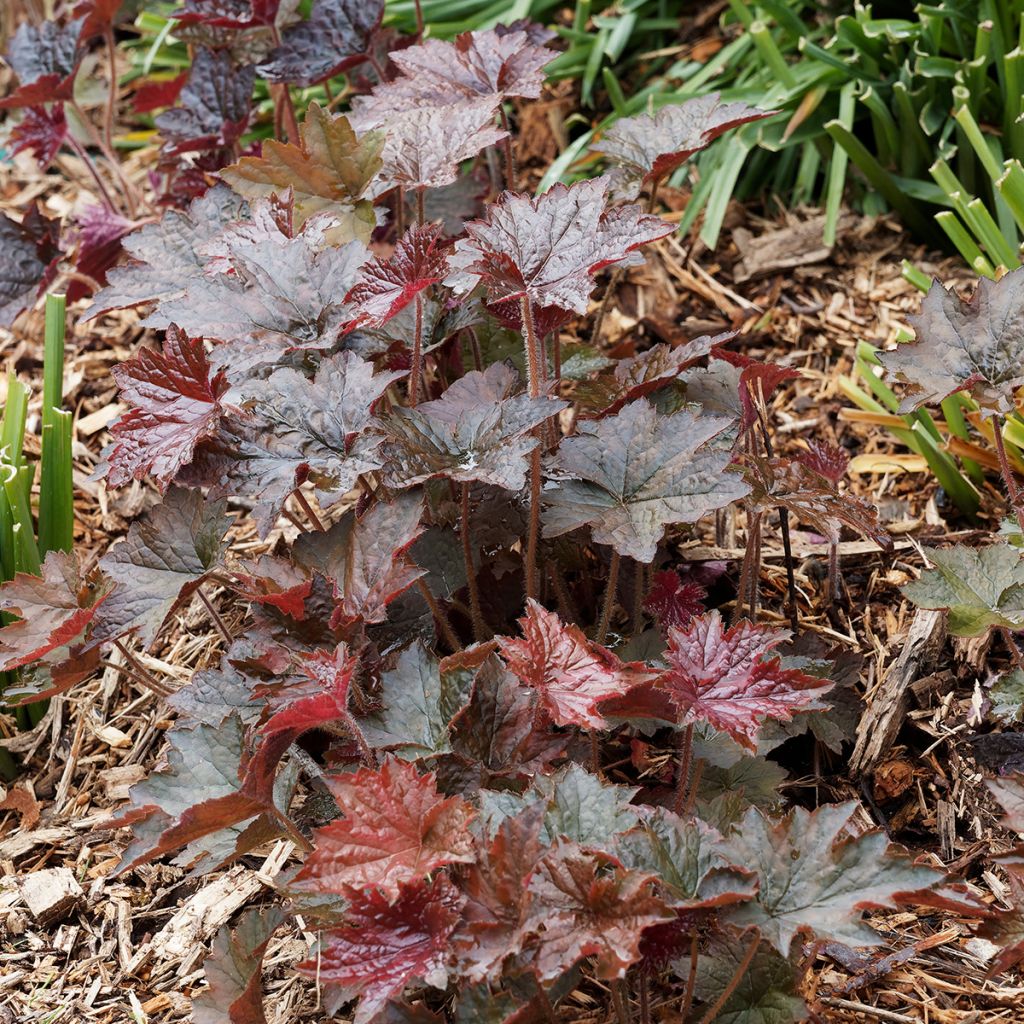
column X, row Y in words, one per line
column 29, row 252
column 42, row 132
column 45, row 58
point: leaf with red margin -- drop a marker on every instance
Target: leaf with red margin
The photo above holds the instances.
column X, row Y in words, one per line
column 386, row 944
column 730, row 678
column 45, row 58
column 396, row 828
column 825, row 460
column 570, row 673
column 757, row 380
column 297, row 429
column 812, row 878
column 233, row 14
column 335, row 37
column 630, row 475
column 213, row 107
column 54, row 609
column 386, row 287
column 98, row 247
column 426, row 145
column 583, row 905
column 42, row 132
column 175, row 404
column 549, row 248
column 234, row 971
column 478, row 430
column 497, row 894
column 366, row 557
column 975, row 346
column 674, row 601
column 647, row 148
column 29, row 252
column 161, row 563
column 277, row 582
column 641, row 374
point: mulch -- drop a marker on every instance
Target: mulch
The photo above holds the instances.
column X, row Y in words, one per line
column 131, row 947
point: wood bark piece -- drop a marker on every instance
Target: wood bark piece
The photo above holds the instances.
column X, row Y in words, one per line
column 887, row 705
column 51, row 894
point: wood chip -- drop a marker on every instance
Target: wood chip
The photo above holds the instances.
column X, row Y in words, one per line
column 51, row 894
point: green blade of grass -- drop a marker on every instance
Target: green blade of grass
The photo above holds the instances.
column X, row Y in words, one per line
column 26, row 552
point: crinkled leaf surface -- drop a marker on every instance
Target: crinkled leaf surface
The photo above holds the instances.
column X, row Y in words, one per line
column 298, row 429
column 647, row 148
column 175, row 403
column 366, row 557
column 213, row 106
column 385, row 287
column 237, row 14
column 478, row 430
column 212, row 695
column 45, row 58
column 549, row 248
column 975, row 346
column 168, row 254
column 54, row 610
column 980, row 587
column 336, row 36
column 579, row 909
column 730, row 678
column 767, row 989
column 161, row 562
column 277, row 582
column 386, row 944
column 570, row 673
column 630, row 475
column 328, row 171
column 395, row 828
column 42, row 132
column 318, row 697
column 674, row 601
column 28, row 254
column 811, row 878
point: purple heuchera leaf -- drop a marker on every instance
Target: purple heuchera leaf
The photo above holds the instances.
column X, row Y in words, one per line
column 234, row 14
column 98, row 246
column 175, row 404
column 630, row 475
column 975, row 346
column 45, row 59
column 547, row 249
column 42, row 132
column 213, row 107
column 646, row 148
column 335, row 37
column 29, row 252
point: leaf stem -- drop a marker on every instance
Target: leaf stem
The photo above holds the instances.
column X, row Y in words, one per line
column 443, row 623
column 215, row 616
column 683, row 776
column 480, row 629
column 308, row 510
column 1008, row 476
column 609, row 597
column 691, row 977
column 533, row 384
column 509, row 154
column 108, row 120
column 400, row 212
column 94, row 173
column 606, row 300
column 737, row 977
column 142, row 674
column 421, row 206
column 1015, row 652
column 620, row 1002
column 416, row 371
column 644, row 995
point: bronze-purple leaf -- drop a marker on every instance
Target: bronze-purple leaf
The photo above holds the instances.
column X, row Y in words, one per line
column 45, row 58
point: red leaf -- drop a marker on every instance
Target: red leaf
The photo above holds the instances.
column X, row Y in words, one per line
column 570, row 673
column 45, row 58
column 727, row 677
column 826, row 460
column 386, row 287
column 549, row 248
column 396, row 829
column 386, row 945
column 99, row 15
column 54, row 610
column 674, row 601
column 42, row 132
column 276, row 582
column 158, row 93
column 175, row 405
column 100, row 232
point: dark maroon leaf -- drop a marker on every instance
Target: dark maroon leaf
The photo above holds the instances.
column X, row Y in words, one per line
column 386, row 287
column 234, row 990
column 28, row 257
column 581, row 907
column 42, row 132
column 395, row 829
column 158, row 93
column 548, row 249
column 366, row 557
column 730, row 678
column 175, row 404
column 335, row 37
column 53, row 610
column 645, row 148
column 630, row 475
column 825, row 460
column 674, row 601
column 387, row 944
column 99, row 15
column 99, row 236
column 231, row 14
column 167, row 255
column 213, row 108
column 974, row 346
column 478, row 430
column 161, row 562
column 45, row 58
column 570, row 673
column 297, row 429
column 757, row 382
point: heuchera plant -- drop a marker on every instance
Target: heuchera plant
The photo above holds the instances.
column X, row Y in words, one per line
column 518, row 716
